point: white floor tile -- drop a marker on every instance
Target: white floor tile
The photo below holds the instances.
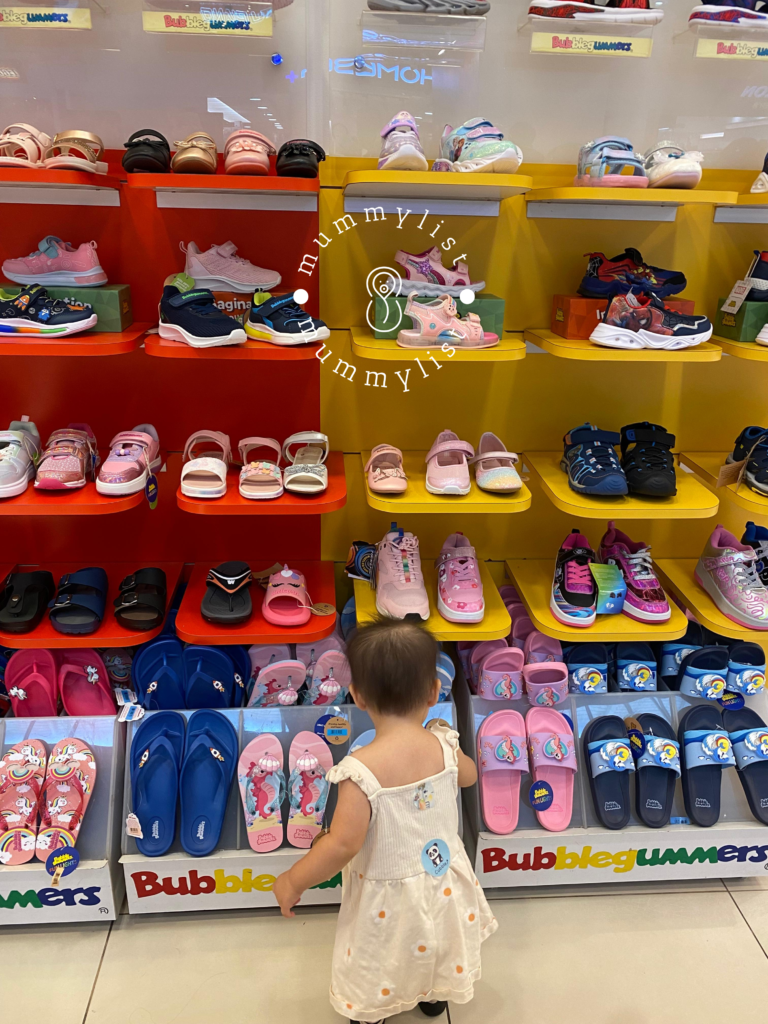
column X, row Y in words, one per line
column 754, row 907
column 48, row 970
column 751, row 882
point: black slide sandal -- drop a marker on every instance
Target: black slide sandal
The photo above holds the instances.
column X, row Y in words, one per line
column 141, row 601
column 24, row 599
column 749, row 735
column 705, row 750
column 607, row 752
column 226, row 598
column 656, row 771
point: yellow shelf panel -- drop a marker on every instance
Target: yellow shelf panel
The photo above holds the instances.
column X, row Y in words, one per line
column 743, row 349
column 435, row 185
column 706, row 466
column 417, row 498
column 496, row 623
column 692, row 501
column 753, row 199
column 582, row 348
column 630, row 196
column 676, row 574
column 510, row 347
column 533, row 579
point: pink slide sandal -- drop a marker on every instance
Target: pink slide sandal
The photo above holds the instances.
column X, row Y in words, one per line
column 502, row 761
column 69, row 783
column 477, row 656
column 286, row 602
column 501, row 675
column 30, row 679
column 84, row 684
column 262, row 789
column 309, row 760
column 553, row 757
column 22, row 770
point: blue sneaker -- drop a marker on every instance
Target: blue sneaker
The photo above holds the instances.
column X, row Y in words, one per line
column 591, row 462
column 194, row 318
column 282, row 321
column 751, row 446
column 757, row 538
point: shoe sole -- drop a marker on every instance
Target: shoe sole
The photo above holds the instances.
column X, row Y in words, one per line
column 91, row 279
column 603, row 493
column 678, row 179
column 276, row 338
column 407, row 158
column 171, row 332
column 383, row 611
column 607, row 17
column 132, row 487
column 455, row 491
column 452, row 616
column 705, row 582
column 581, row 624
column 436, row 290
column 621, row 337
column 640, row 616
column 12, row 490
column 227, row 284
column 502, row 163
column 19, row 326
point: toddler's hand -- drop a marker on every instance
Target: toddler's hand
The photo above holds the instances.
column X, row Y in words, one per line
column 285, row 894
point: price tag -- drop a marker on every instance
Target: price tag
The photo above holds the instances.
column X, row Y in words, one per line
column 151, row 490
column 124, row 696
column 729, row 699
column 734, row 302
column 130, row 713
column 133, row 827
column 333, row 729
column 541, row 796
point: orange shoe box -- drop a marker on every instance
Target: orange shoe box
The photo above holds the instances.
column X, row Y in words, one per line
column 573, row 316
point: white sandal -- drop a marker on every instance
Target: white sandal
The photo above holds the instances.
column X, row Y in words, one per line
column 307, row 474
column 260, row 479
column 21, row 145
column 205, row 475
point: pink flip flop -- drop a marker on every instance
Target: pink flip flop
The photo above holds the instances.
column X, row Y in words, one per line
column 509, row 594
column 330, row 680
column 546, row 683
column 22, row 770
column 309, row 760
column 262, row 789
column 84, row 684
column 69, row 783
column 286, row 602
column 553, row 760
column 278, row 683
column 540, row 647
column 502, row 760
column 501, row 675
column 30, row 679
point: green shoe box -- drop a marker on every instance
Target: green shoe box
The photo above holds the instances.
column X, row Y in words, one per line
column 490, row 309
column 111, row 303
column 744, row 325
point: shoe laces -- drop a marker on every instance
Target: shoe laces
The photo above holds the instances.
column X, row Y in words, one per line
column 406, row 560
column 462, row 569
column 600, row 456
column 652, row 456
column 293, row 311
column 9, row 450
column 747, row 578
column 577, row 575
column 641, row 568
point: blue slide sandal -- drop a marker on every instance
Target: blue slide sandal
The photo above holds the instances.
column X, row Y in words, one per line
column 156, row 750
column 656, row 771
column 607, row 752
column 749, row 735
column 207, row 771
column 706, row 750
column 210, row 677
column 157, row 673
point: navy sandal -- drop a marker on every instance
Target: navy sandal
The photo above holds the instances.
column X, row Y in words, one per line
column 79, row 605
column 706, row 750
column 656, row 771
column 607, row 751
column 749, row 735
column 703, row 673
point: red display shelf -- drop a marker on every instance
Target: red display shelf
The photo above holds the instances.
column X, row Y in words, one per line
column 110, row 633
column 154, row 345
column 228, row 182
column 95, row 343
column 234, row 504
column 41, row 176
column 193, row 628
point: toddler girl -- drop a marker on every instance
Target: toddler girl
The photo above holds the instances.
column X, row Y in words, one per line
column 412, row 913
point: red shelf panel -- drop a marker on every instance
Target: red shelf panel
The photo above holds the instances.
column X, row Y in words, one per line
column 41, row 176
column 110, row 633
column 193, row 628
column 218, row 182
column 234, row 504
column 154, row 345
column 95, row 343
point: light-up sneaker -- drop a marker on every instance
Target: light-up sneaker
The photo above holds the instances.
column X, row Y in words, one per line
column 746, row 13
column 645, row 600
column 33, row 311
column 401, row 149
column 574, row 591
column 57, row 263
column 220, row 269
column 400, row 590
column 728, row 571
column 426, row 275
column 459, row 588
column 477, row 146
column 632, row 12
column 634, row 322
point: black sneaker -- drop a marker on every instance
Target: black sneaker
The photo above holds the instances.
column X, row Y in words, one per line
column 574, row 591
column 281, row 320
column 757, row 538
column 758, row 275
column 299, row 158
column 647, row 461
column 33, row 311
column 752, row 445
column 193, row 317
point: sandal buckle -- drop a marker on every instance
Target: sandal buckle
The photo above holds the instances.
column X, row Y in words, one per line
column 64, row 581
column 129, row 582
column 62, row 601
column 128, row 603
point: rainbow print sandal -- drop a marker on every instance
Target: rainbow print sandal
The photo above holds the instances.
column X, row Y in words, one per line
column 22, row 770
column 69, row 783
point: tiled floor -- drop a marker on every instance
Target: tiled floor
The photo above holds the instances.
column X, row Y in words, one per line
column 596, row 954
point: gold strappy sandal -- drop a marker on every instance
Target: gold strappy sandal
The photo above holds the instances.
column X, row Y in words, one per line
column 195, row 155
column 75, row 151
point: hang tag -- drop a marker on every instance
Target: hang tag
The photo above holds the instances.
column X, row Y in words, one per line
column 729, row 699
column 636, row 742
column 731, row 473
column 322, row 609
column 151, row 490
column 124, row 696
column 541, row 796
column 262, row 576
column 735, row 300
column 133, row 827
column 183, row 282
column 60, row 863
column 361, row 561
column 130, row 713
column 333, row 728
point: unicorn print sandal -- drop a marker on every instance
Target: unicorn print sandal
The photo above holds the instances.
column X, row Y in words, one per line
column 69, row 783
column 22, row 770
column 309, row 760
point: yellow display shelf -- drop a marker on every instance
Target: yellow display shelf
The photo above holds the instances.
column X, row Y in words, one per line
column 533, row 579
column 676, row 575
column 417, row 498
column 743, row 349
column 496, row 623
column 706, row 466
column 581, row 348
column 692, row 501
column 753, row 199
column 631, row 196
column 365, row 345
column 437, row 185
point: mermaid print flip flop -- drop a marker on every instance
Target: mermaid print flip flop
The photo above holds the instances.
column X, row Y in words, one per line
column 309, row 760
column 22, row 770
column 262, row 790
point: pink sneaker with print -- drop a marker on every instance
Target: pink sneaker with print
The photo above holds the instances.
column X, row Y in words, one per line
column 645, row 600
column 401, row 149
column 57, row 263
column 727, row 570
column 459, row 589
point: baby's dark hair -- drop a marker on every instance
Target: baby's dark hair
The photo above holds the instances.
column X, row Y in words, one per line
column 393, row 665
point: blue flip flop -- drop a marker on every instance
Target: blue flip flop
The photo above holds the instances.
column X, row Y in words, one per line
column 241, row 663
column 157, row 674
column 156, row 751
column 705, row 750
column 207, row 771
column 210, row 677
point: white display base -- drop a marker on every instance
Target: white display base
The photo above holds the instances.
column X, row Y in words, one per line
column 89, row 893
column 164, row 885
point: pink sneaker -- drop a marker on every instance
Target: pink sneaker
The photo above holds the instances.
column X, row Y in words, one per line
column 219, row 269
column 133, row 455
column 401, row 149
column 57, row 263
column 728, row 572
column 424, row 272
column 400, row 590
column 459, row 589
column 437, row 324
column 645, row 600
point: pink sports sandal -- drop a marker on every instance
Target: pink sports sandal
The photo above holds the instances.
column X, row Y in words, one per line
column 385, row 470
column 426, row 275
column 134, row 454
column 447, row 466
column 539, row 647
column 546, row 683
column 553, row 760
column 501, row 675
column 477, row 657
column 286, row 602
column 70, row 457
column 436, row 324
column 262, row 479
column 459, row 588
column 247, row 152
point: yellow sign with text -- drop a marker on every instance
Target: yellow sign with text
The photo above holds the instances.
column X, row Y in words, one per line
column 731, row 49
column 592, row 46
column 213, row 21
column 45, row 17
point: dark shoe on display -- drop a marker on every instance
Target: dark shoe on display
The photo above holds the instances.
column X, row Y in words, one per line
column 753, row 13
column 194, row 318
column 34, row 312
column 705, row 750
column 80, row 602
column 227, row 598
column 656, row 771
column 605, row 278
column 590, row 460
column 147, row 151
column 643, row 321
column 281, row 320
column 752, row 446
column 205, row 779
column 758, row 275
column 141, row 601
column 757, row 538
column 24, row 600
column 609, row 761
column 749, row 735
column 299, row 158
column 155, row 760
column 434, row 1009
column 632, row 12
column 432, row 6
column 703, row 673
column 647, row 460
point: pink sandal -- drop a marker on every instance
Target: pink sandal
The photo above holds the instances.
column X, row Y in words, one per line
column 22, row 770
column 286, row 602
column 502, row 760
column 69, row 782
column 553, row 760
column 205, row 475
column 247, row 152
column 260, row 479
column 22, row 145
column 84, row 684
column 546, row 683
column 31, row 682
column 436, row 324
column 495, row 466
column 447, row 466
column 385, row 470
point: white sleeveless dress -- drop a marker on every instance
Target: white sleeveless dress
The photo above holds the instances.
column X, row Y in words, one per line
column 412, row 913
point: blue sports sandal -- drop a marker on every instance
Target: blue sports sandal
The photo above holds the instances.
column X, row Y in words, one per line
column 605, row 163
column 590, row 460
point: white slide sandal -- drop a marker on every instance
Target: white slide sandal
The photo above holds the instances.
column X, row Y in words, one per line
column 204, row 475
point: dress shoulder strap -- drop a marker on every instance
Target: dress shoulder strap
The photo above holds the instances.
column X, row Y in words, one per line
column 350, row 768
column 449, row 740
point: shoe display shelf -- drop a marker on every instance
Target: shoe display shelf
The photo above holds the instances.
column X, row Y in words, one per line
column 586, row 851
column 706, row 466
column 744, row 38
column 154, row 345
column 110, row 633
column 443, row 193
column 235, row 876
column 676, row 575
column 90, row 343
column 583, row 348
column 496, row 622
column 41, row 187
column 417, row 499
column 749, row 208
column 288, row 504
column 403, row 29
column 192, row 628
column 229, row 191
column 510, row 348
column 635, row 204
column 692, row 501
column 743, row 349
column 533, row 579
column 94, row 890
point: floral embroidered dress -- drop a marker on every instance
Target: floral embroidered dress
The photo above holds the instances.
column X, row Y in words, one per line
column 412, row 914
